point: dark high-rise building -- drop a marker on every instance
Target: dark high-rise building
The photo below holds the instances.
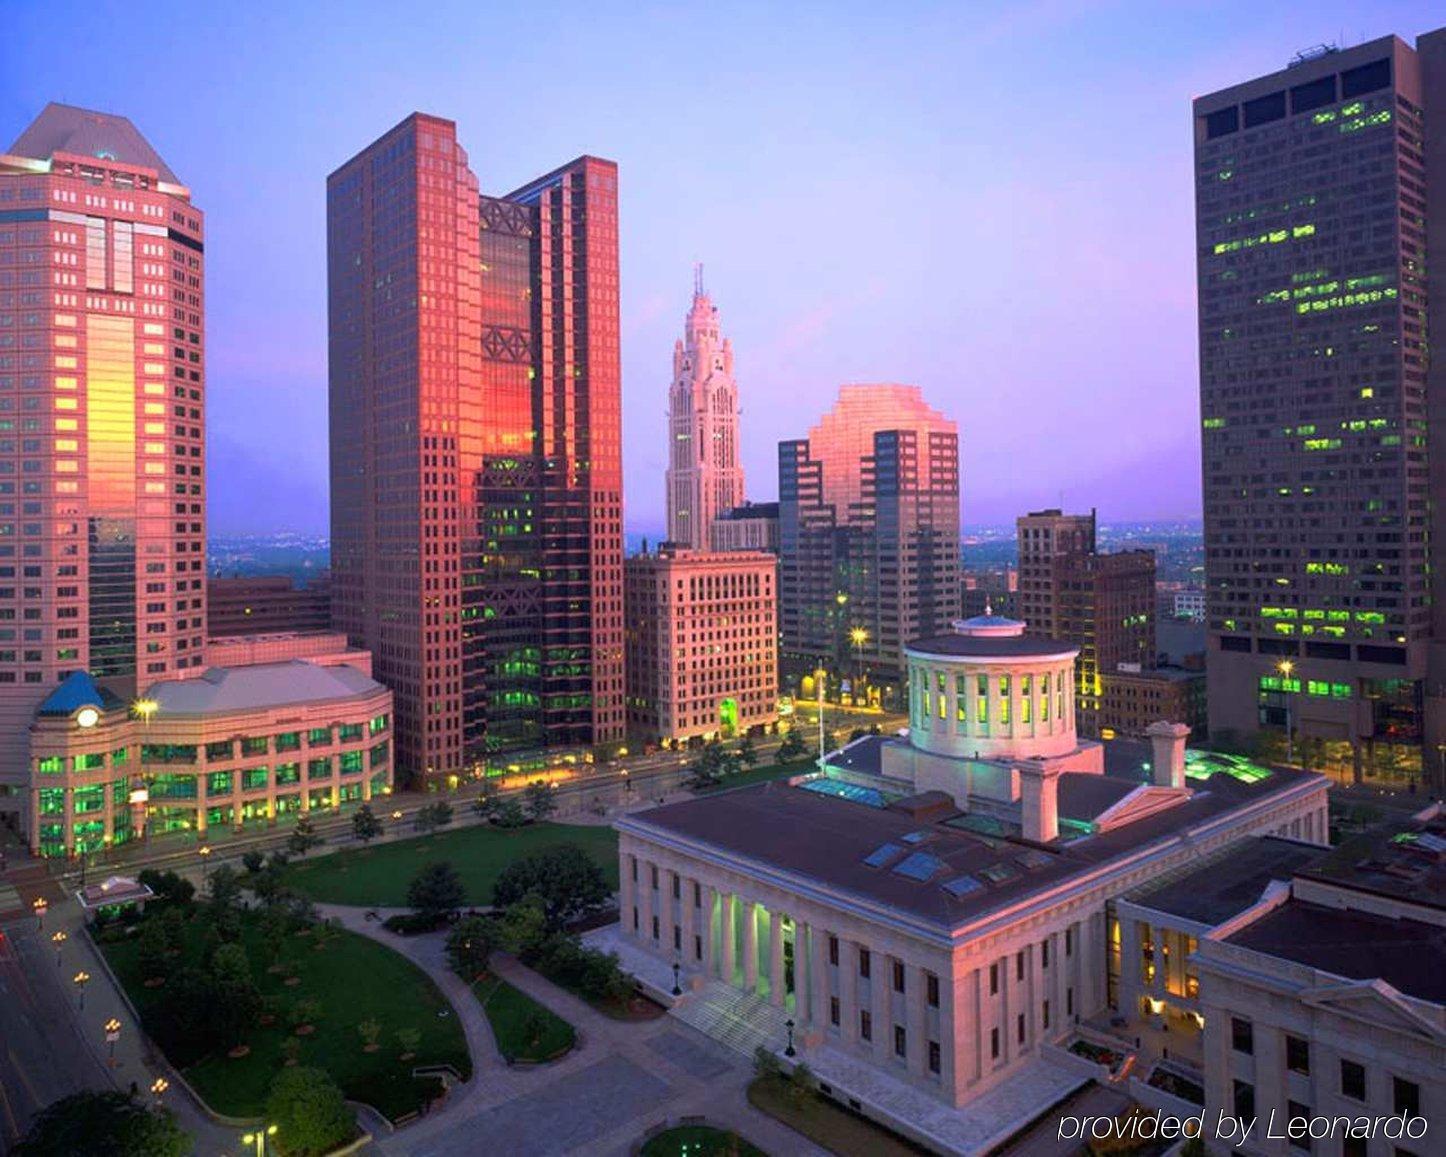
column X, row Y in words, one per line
column 868, row 532
column 476, row 447
column 1317, row 188
column 262, row 604
column 1104, row 604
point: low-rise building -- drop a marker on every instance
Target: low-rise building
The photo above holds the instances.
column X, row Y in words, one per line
column 232, row 747
column 1135, row 697
column 932, row 911
column 702, row 642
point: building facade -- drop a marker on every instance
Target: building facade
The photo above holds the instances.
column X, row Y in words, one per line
column 752, row 526
column 1104, row 603
column 476, row 447
column 868, row 532
column 233, row 748
column 704, row 479
column 102, row 312
column 932, row 911
column 1134, row 699
column 1313, row 209
column 265, row 604
column 702, row 654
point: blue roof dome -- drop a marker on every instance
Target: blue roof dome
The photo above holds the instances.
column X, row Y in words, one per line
column 78, row 689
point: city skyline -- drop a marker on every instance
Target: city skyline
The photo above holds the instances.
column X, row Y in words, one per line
column 788, row 125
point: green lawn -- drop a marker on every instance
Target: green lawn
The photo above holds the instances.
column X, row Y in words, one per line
column 354, row 979
column 826, row 1124
column 699, row 1141
column 509, row 1010
column 378, row 876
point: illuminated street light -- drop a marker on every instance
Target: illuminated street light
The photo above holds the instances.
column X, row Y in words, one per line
column 58, row 938
column 112, row 1034
column 144, row 709
column 81, row 978
column 159, row 1086
column 258, row 1139
column 1285, row 667
column 39, row 905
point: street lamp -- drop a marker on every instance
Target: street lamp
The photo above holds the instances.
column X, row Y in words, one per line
column 58, row 938
column 1285, row 667
column 858, row 636
column 81, row 978
column 790, row 1051
column 818, row 677
column 159, row 1086
column 258, row 1139
column 145, row 708
column 112, row 1034
column 39, row 905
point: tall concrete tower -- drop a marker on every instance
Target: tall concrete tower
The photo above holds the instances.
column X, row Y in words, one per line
column 704, row 477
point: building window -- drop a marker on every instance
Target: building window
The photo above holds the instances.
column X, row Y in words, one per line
column 1297, row 1138
column 1019, row 966
column 635, row 868
column 1019, row 1029
column 866, row 1026
column 654, row 869
column 1069, row 1001
column 697, row 948
column 933, row 1056
column 697, row 894
column 993, row 979
column 931, row 990
column 994, row 1043
column 655, row 927
column 1244, row 1100
column 1044, row 1015
column 635, row 919
column 901, row 1047
column 1297, row 1055
column 865, row 962
column 1069, row 941
column 833, row 949
column 898, row 976
column 1044, row 953
column 833, row 1011
column 1242, row 1036
column 1353, row 1080
column 1406, row 1096
column 677, row 939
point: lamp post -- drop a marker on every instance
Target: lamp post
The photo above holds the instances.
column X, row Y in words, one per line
column 1285, row 667
column 81, row 978
column 790, row 1051
column 818, row 677
column 258, row 1139
column 38, row 906
column 112, row 1034
column 858, row 636
column 58, row 938
column 677, row 988
column 159, row 1087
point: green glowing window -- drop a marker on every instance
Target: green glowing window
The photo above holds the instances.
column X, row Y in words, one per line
column 255, row 778
column 1322, row 443
column 51, row 765
column 319, row 736
column 377, row 725
column 52, row 801
column 220, row 750
column 119, row 756
column 288, row 741
column 254, row 745
column 90, row 761
column 350, row 732
column 1214, row 423
column 318, row 769
column 378, row 755
column 219, row 783
column 351, row 762
column 288, row 773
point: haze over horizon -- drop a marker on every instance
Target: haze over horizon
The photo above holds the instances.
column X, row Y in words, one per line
column 995, row 205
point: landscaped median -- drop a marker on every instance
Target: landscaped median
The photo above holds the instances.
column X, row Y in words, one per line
column 795, row 1101
column 378, row 876
column 525, row 1031
column 235, row 996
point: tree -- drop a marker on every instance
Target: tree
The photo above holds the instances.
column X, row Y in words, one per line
column 253, row 861
column 109, row 1123
column 510, row 814
column 541, row 803
column 523, row 928
column 168, row 886
column 370, row 1031
column 802, row 1084
column 153, row 951
column 365, row 825
column 469, row 947
column 441, row 813
column 436, row 890
column 792, row 747
column 486, row 804
column 409, row 1039
column 302, row 1012
column 237, row 1001
column 747, row 754
column 303, row 837
column 309, row 1112
column 564, row 878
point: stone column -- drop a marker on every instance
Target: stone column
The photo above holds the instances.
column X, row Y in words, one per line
column 627, row 862
column 916, row 1020
column 645, row 904
column 710, row 940
column 687, row 922
column 818, row 978
column 730, row 936
column 775, row 959
column 750, row 946
column 667, row 920
column 952, row 1029
column 881, row 990
column 848, row 985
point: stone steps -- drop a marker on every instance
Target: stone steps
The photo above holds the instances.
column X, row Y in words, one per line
column 740, row 1020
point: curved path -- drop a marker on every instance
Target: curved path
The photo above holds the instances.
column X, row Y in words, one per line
column 622, row 1078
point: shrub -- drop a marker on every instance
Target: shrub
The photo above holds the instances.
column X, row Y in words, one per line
column 309, row 1111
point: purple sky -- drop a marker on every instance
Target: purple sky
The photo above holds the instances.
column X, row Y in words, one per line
column 992, row 201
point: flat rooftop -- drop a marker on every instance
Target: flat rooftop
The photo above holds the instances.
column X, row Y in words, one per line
column 1226, row 884
column 1406, row 861
column 935, row 870
column 260, row 686
column 1409, row 955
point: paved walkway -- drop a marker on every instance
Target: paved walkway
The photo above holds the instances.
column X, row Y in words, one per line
column 622, row 1078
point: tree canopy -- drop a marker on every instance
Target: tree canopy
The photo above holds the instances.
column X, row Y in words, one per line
column 565, row 879
column 103, row 1124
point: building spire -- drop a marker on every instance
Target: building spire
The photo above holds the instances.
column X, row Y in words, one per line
column 697, row 279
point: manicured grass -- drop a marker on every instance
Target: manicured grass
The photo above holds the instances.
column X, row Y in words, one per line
column 378, row 876
column 760, row 774
column 354, row 979
column 510, row 1011
column 699, row 1141
column 826, row 1124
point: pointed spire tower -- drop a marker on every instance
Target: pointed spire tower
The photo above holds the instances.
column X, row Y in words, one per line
column 704, row 476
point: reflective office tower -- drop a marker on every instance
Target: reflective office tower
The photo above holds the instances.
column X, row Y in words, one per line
column 705, row 480
column 868, row 532
column 102, row 390
column 476, row 447
column 1313, row 197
